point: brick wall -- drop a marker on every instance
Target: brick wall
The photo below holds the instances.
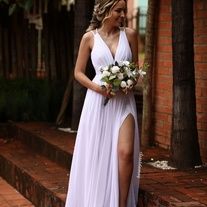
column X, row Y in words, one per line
column 200, row 41
column 163, row 74
column 163, row 77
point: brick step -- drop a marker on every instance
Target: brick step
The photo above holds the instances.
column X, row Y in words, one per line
column 45, row 139
column 171, row 188
column 37, row 178
column 9, row 197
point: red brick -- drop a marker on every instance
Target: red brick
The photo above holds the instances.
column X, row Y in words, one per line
column 198, row 91
column 200, row 39
column 162, row 91
column 201, row 14
column 200, row 66
column 201, row 31
column 199, row 5
column 164, row 71
column 202, row 100
column 162, row 116
column 165, row 7
column 165, row 25
column 162, row 141
column 165, row 102
column 201, row 83
column 165, row 48
column 201, row 126
column 201, row 75
column 198, row 107
column 164, row 32
column 165, row 40
column 201, row 92
column 202, row 117
column 163, row 67
column 200, row 49
column 166, row 17
column 163, row 108
column 9, row 197
column 164, row 56
column 166, row 80
column 199, row 23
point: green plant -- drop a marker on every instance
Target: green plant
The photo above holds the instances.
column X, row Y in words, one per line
column 26, row 100
column 13, row 5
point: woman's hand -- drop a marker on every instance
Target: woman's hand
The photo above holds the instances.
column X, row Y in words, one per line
column 104, row 91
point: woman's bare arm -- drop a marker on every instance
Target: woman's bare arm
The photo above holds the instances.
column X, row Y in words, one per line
column 81, row 63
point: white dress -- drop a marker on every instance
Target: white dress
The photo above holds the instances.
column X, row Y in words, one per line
column 94, row 172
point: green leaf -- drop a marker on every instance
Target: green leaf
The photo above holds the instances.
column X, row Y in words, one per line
column 105, row 79
column 28, row 4
column 112, row 77
column 5, row 1
column 20, row 4
column 12, row 9
column 115, row 89
column 116, row 82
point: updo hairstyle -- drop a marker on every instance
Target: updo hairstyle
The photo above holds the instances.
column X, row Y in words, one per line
column 100, row 13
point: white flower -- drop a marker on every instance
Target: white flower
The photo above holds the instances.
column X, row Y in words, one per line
column 128, row 72
column 141, row 72
column 135, row 73
column 125, row 63
column 115, row 69
column 123, row 84
column 130, row 82
column 120, row 76
column 105, row 73
column 105, row 68
column 112, row 77
column 105, row 84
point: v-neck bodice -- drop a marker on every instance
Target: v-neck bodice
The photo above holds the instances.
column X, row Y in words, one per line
column 107, row 46
column 101, row 54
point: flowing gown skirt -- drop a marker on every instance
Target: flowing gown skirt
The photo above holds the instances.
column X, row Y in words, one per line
column 94, row 180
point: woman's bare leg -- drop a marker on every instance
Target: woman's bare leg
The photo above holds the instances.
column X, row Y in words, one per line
column 125, row 158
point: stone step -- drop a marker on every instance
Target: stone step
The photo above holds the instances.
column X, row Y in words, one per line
column 9, row 197
column 37, row 178
column 46, row 139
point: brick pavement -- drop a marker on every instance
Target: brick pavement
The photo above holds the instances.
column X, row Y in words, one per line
column 176, row 188
column 9, row 197
column 158, row 188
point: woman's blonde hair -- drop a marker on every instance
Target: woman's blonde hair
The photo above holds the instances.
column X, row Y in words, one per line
column 100, row 12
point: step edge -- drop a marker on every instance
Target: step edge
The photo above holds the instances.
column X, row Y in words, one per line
column 23, row 134
column 18, row 172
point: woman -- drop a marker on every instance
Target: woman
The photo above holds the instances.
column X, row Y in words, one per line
column 106, row 156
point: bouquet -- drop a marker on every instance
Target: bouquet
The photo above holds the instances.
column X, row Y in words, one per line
column 120, row 76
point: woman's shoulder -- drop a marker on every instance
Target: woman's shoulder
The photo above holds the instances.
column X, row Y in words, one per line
column 130, row 32
column 87, row 38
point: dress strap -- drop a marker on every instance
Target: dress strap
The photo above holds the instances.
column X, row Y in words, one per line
column 94, row 32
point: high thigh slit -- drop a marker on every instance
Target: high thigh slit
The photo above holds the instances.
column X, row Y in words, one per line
column 94, row 178
column 125, row 157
